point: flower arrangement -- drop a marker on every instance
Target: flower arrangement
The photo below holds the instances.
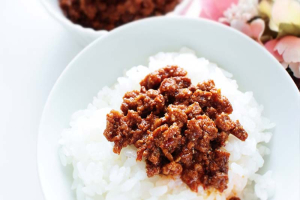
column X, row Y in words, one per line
column 275, row 24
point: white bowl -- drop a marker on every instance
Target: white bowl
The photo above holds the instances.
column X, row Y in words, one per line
column 105, row 59
column 85, row 36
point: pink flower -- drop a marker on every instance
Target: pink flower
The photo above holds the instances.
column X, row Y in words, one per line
column 254, row 29
column 286, row 50
column 281, row 12
column 236, row 14
column 270, row 46
column 214, row 9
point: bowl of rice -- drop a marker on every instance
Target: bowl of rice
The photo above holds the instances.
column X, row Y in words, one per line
column 223, row 84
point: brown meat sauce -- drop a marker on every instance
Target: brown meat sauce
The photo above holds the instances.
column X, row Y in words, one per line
column 234, row 198
column 177, row 128
column 109, row 14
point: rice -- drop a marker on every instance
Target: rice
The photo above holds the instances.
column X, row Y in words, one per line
column 99, row 174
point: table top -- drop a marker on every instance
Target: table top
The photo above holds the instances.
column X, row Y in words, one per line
column 34, row 50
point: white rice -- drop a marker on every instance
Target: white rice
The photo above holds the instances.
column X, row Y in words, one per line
column 99, row 174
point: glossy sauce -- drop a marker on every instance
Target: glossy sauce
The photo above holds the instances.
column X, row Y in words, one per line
column 178, row 128
column 109, row 14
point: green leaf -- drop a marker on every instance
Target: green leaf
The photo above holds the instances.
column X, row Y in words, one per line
column 288, row 29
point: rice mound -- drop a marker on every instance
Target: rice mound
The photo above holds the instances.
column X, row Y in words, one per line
column 100, row 174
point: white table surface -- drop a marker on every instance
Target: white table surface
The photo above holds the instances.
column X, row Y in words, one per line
column 34, row 49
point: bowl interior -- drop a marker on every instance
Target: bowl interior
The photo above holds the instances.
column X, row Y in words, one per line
column 104, row 60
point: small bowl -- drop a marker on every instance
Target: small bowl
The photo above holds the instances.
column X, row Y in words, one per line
column 103, row 61
column 85, row 36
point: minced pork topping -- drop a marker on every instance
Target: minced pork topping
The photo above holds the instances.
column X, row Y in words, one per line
column 178, row 128
column 109, row 14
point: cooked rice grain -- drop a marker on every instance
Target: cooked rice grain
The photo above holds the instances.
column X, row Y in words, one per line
column 99, row 174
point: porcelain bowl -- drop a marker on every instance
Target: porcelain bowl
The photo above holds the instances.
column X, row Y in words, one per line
column 103, row 61
column 85, row 36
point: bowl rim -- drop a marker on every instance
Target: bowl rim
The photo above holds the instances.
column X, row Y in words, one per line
column 64, row 20
column 129, row 26
column 69, row 23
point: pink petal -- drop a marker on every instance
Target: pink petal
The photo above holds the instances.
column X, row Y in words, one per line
column 214, row 9
column 210, row 10
column 285, row 65
column 289, row 48
column 257, row 28
column 241, row 26
column 224, row 4
column 295, row 67
column 270, row 46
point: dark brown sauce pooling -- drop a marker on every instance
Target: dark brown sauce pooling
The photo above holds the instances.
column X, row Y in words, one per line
column 177, row 128
column 109, row 14
column 234, row 198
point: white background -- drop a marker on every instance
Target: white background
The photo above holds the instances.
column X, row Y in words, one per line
column 34, row 49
